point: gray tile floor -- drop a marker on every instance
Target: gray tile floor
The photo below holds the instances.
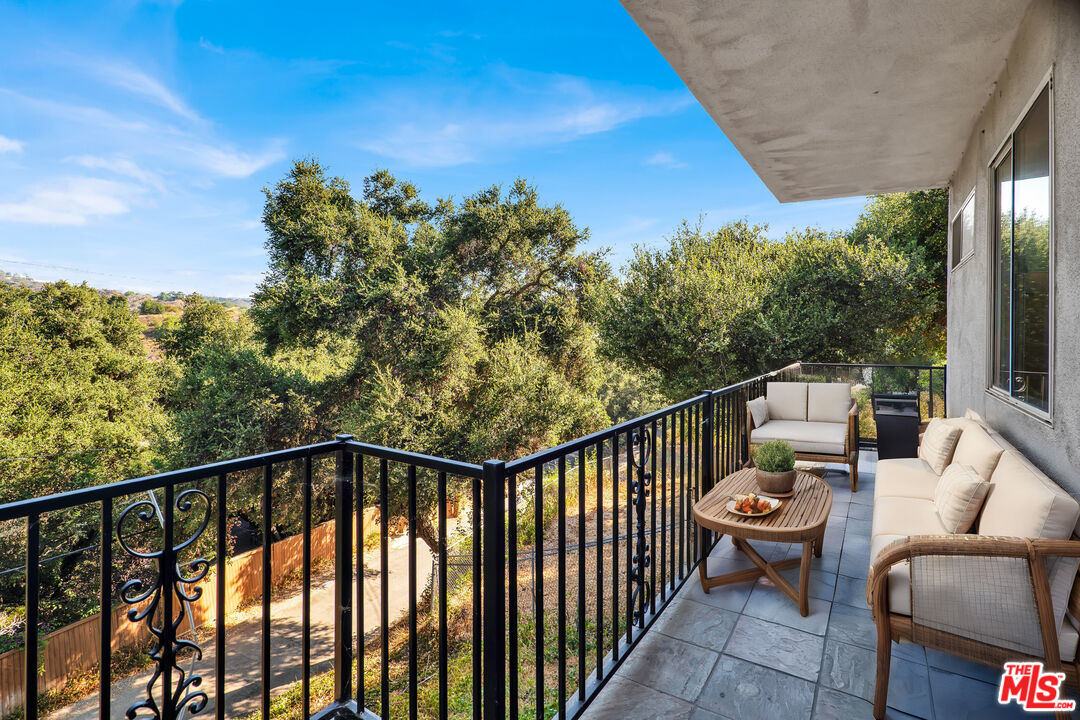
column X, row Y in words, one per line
column 743, row 652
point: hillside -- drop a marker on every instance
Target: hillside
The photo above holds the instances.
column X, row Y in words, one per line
column 172, row 298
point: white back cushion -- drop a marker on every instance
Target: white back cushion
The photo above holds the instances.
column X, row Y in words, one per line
column 828, row 402
column 959, row 496
column 938, row 444
column 977, row 449
column 1023, row 502
column 759, row 410
column 786, row 400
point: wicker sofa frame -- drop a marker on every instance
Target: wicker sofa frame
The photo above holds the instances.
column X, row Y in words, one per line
column 893, row 626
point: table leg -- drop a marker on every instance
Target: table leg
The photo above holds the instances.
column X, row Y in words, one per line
column 804, row 578
column 770, row 570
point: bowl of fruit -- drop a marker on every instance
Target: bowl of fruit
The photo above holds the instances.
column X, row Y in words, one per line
column 752, row 505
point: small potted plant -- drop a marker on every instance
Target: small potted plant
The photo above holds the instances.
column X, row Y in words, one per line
column 775, row 462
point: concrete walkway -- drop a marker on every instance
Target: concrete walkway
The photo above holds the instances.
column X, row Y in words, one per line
column 243, row 644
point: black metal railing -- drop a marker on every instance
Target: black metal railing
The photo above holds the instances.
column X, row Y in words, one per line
column 575, row 551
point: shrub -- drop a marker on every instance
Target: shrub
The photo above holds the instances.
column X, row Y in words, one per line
column 774, row 456
column 151, row 307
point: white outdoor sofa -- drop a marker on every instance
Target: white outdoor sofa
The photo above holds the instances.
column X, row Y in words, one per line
column 818, row 420
column 1004, row 591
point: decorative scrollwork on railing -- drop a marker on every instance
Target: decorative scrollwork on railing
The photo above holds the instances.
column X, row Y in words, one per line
column 640, row 450
column 147, row 599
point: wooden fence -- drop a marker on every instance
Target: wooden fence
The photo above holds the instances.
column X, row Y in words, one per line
column 74, row 649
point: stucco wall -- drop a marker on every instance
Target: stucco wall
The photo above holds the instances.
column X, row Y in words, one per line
column 1049, row 37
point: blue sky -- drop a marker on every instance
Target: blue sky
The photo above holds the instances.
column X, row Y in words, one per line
column 135, row 137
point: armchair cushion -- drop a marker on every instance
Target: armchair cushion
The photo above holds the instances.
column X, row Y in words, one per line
column 828, row 402
column 959, row 497
column 806, row 437
column 759, row 410
column 786, row 400
column 938, row 444
column 977, row 449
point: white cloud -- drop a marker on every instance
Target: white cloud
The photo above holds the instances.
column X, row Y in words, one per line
column 664, row 159
column 515, row 109
column 120, row 166
column 7, row 145
column 231, row 163
column 207, row 45
column 71, row 201
column 136, row 81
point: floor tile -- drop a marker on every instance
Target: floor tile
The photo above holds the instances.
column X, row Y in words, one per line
column 958, row 666
column 740, row 689
column 859, row 511
column 622, row 698
column 697, row 623
column 853, row 625
column 769, row 603
column 850, row 591
column 854, row 562
column 728, row 597
column 822, row 584
column 909, row 651
column 853, row 670
column 835, row 705
column 962, row 698
column 669, row 665
column 776, row 646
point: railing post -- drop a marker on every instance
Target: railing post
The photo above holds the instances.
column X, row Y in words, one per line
column 707, row 452
column 494, row 586
column 343, row 572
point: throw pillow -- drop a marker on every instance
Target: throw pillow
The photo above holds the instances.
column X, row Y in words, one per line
column 759, row 410
column 959, row 496
column 938, row 444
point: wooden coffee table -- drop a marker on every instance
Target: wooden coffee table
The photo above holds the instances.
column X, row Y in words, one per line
column 801, row 519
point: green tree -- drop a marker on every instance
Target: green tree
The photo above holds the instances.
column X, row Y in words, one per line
column 79, row 406
column 715, row 307
column 471, row 324
column 202, row 323
column 917, row 225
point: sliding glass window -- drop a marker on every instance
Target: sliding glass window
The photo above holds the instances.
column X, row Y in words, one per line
column 1022, row 310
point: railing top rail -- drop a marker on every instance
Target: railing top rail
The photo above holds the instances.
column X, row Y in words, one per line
column 873, row 365
column 454, row 467
column 61, row 501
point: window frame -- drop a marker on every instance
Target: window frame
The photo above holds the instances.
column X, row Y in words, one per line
column 959, row 263
column 1006, row 146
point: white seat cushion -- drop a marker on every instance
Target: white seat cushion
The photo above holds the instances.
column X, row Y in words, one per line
column 807, row 437
column 977, row 449
column 906, row 516
column 786, row 400
column 828, row 402
column 905, row 477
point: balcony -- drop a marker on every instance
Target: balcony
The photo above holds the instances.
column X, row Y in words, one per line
column 568, row 588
